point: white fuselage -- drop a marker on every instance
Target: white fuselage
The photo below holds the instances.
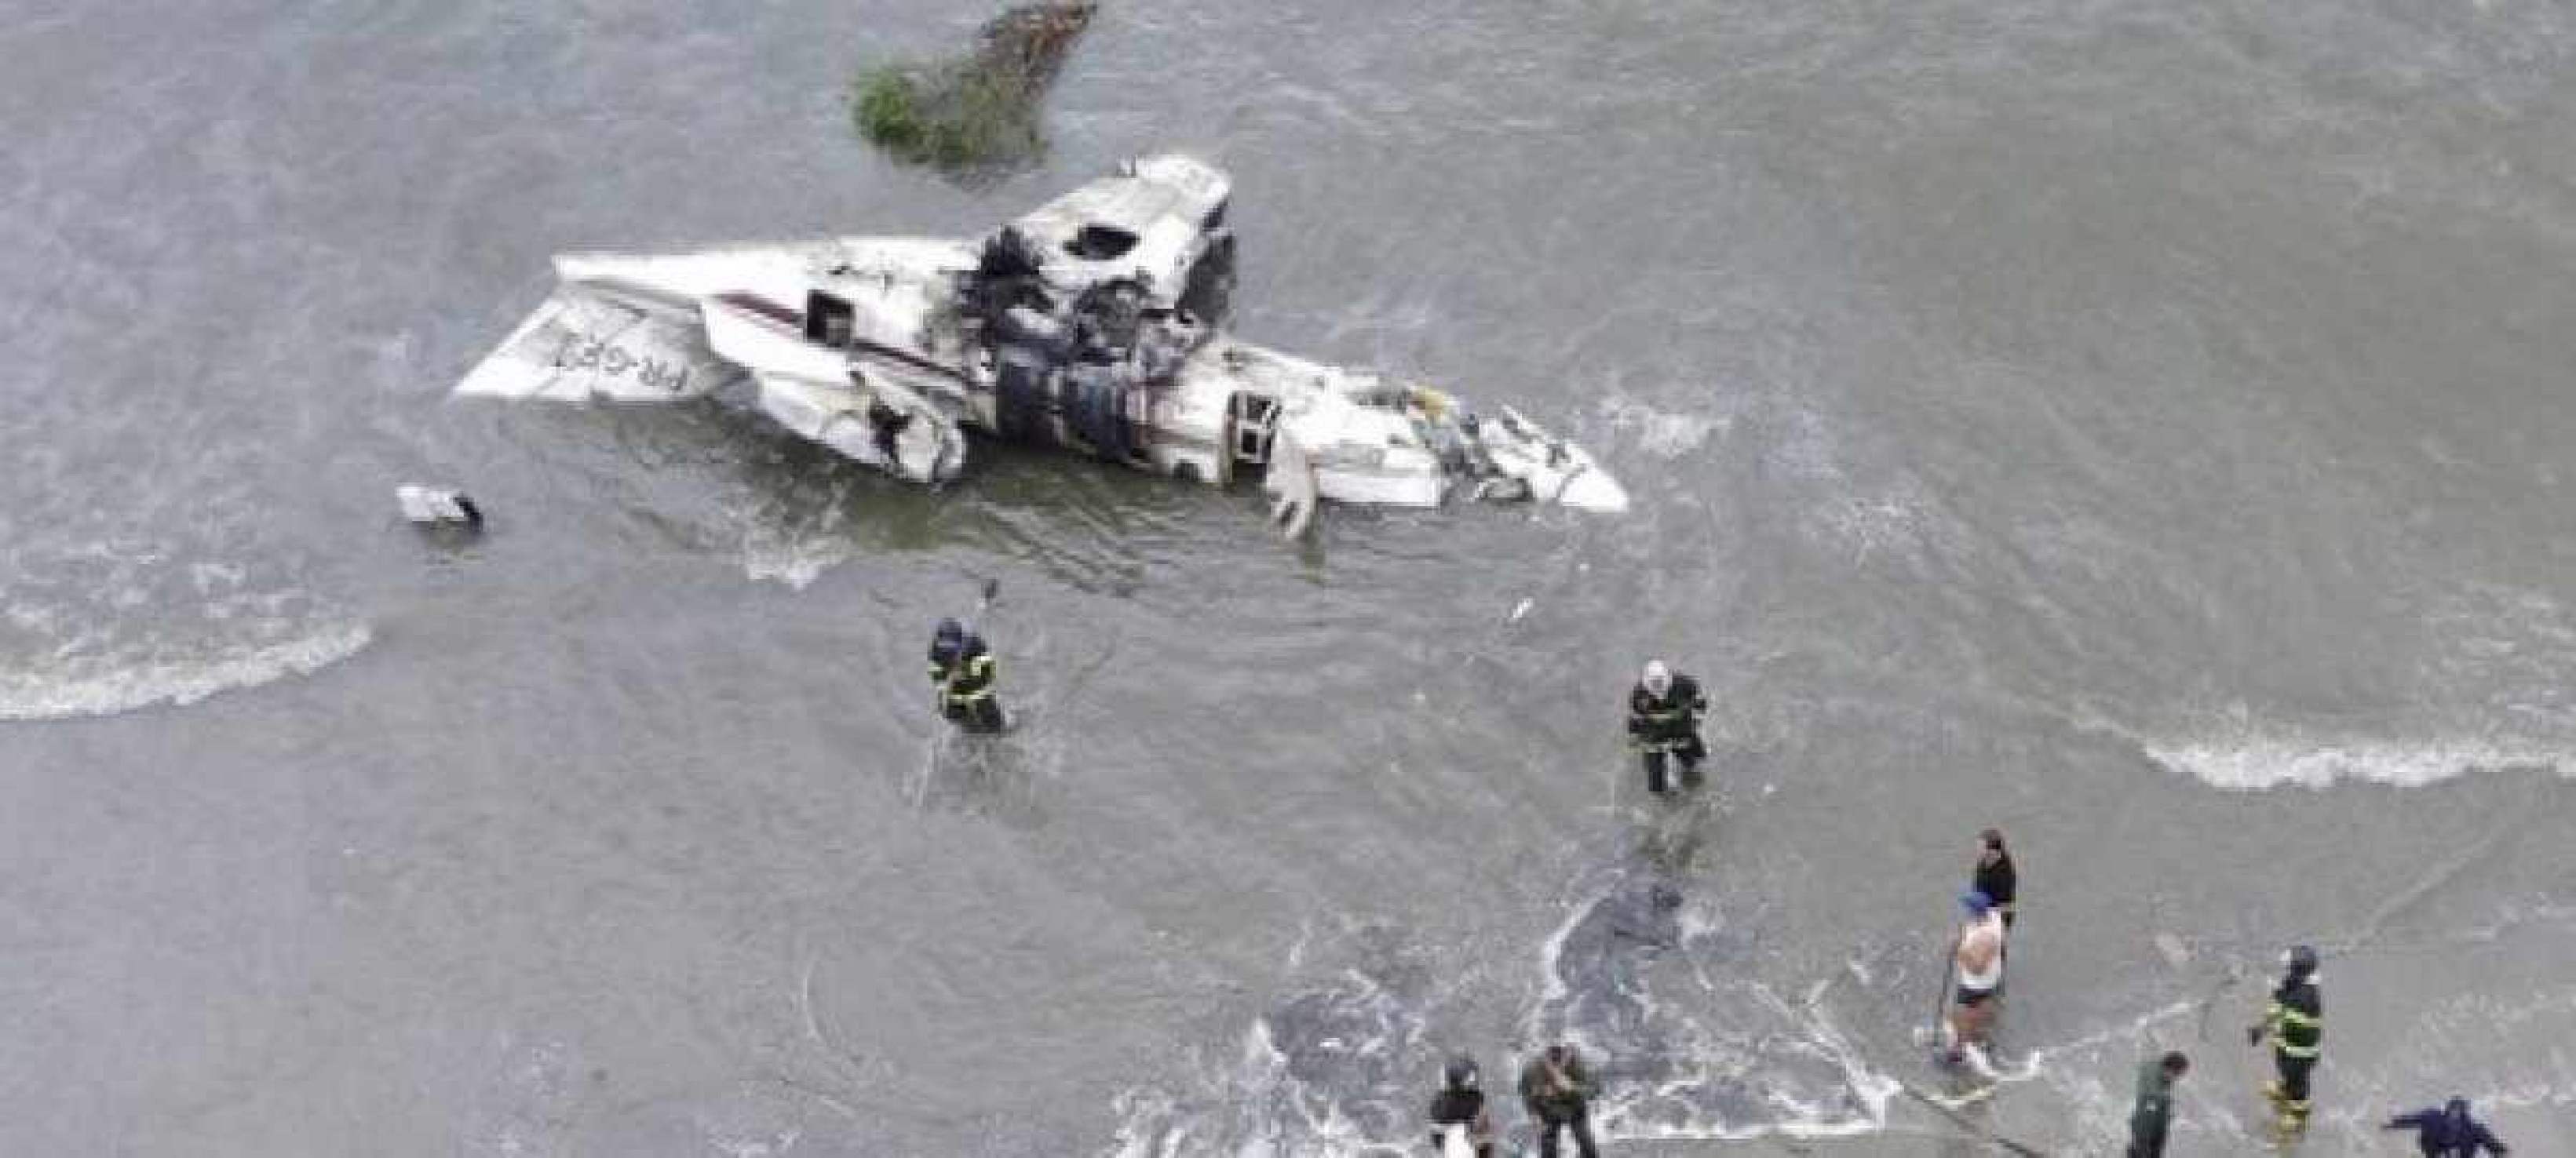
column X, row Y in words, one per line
column 1092, row 323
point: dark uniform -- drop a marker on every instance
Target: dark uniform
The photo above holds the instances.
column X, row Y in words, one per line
column 961, row 671
column 1460, row 1108
column 1556, row 1105
column 2152, row 1117
column 1667, row 725
column 2448, row 1132
column 1460, row 1103
column 2295, row 1020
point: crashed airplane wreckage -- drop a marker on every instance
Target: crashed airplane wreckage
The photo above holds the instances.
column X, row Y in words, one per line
column 1093, row 323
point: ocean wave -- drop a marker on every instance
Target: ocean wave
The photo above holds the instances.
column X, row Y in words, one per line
column 2258, row 764
column 93, row 688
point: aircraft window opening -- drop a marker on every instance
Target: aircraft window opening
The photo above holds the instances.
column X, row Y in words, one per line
column 829, row 320
column 1096, row 242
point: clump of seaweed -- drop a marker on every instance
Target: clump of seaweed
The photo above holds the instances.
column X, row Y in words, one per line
column 979, row 113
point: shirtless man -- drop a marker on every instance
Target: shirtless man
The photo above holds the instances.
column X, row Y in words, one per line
column 1979, row 957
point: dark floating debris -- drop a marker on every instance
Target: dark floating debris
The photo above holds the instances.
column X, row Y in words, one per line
column 977, row 115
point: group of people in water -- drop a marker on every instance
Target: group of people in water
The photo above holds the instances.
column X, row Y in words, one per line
column 1665, row 711
column 1664, row 714
column 2294, row 1023
column 1555, row 1087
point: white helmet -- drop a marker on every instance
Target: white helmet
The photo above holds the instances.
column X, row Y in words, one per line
column 1658, row 678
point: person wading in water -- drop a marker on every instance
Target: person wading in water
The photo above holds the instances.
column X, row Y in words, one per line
column 1979, row 957
column 1664, row 711
column 961, row 669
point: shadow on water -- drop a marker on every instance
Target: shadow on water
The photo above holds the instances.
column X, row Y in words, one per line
column 718, row 479
column 1657, row 986
column 1337, row 1066
column 1662, row 988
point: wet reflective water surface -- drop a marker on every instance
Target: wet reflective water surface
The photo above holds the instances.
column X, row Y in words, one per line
column 2142, row 430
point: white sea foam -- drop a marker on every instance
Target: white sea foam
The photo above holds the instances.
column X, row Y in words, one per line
column 791, row 545
column 2263, row 763
column 1867, row 525
column 94, row 688
column 1658, row 433
column 796, row 564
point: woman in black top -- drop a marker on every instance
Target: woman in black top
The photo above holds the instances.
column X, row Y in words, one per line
column 1995, row 876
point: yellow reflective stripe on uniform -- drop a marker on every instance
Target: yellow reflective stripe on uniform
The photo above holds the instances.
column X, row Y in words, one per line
column 2287, row 1023
column 2283, row 1017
